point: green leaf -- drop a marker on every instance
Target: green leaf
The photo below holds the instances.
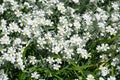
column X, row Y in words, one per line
column 59, row 78
column 22, row 76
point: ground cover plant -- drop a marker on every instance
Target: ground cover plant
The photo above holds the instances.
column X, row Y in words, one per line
column 59, row 40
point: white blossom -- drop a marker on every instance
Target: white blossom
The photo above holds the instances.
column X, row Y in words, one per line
column 56, row 66
column 104, row 70
column 111, row 78
column 35, row 75
column 90, row 77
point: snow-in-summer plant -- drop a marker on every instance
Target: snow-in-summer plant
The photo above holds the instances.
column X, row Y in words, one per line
column 59, row 40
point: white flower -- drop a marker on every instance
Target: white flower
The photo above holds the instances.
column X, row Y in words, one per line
column 87, row 36
column 102, row 47
column 92, row 0
column 75, row 1
column 76, row 40
column 76, row 79
column 61, row 7
column 115, row 5
column 17, row 41
column 61, row 31
column 68, row 51
column 54, row 1
column 111, row 30
column 26, row 31
column 49, row 12
column 59, row 27
column 103, row 57
column 88, row 19
column 104, row 70
column 37, row 33
column 32, row 60
column 3, row 76
column 111, row 78
column 104, row 16
column 115, row 16
column 101, row 25
column 99, row 10
column 35, row 75
column 115, row 61
column 41, row 41
column 97, row 16
column 102, row 1
column 2, row 8
column 50, row 60
column 3, row 24
column 11, row 50
column 83, row 53
column 56, row 49
column 48, row 35
column 101, row 78
column 58, row 61
column 56, row 66
column 13, row 27
column 14, row 5
column 18, row 13
column 9, row 57
column 49, row 23
column 20, row 63
column 62, row 20
column 90, row 77
column 5, row 40
column 77, row 25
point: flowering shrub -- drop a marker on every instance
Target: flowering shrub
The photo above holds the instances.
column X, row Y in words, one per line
column 59, row 39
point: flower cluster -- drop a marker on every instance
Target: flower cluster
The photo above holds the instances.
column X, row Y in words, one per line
column 59, row 39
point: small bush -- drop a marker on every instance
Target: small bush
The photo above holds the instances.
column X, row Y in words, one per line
column 59, row 39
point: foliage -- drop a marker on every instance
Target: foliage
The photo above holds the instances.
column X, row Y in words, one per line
column 59, row 39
